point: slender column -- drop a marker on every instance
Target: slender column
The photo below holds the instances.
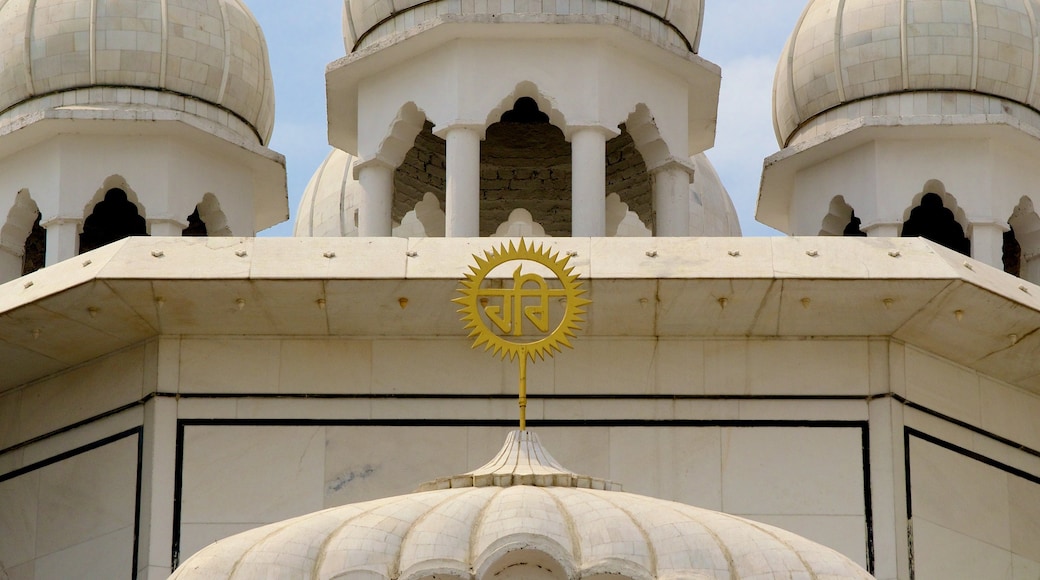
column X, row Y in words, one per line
column 462, row 188
column 165, row 228
column 377, row 184
column 987, row 243
column 62, row 239
column 589, row 182
column 672, row 199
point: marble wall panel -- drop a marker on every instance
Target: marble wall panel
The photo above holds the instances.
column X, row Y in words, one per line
column 960, row 494
column 56, row 519
column 247, row 474
column 792, row 470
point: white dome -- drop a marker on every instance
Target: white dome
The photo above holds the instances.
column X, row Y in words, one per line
column 711, row 208
column 371, row 22
column 208, row 50
column 522, row 508
column 330, row 203
column 843, row 51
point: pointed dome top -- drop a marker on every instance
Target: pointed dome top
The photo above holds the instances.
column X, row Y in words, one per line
column 843, row 51
column 521, row 461
column 500, row 523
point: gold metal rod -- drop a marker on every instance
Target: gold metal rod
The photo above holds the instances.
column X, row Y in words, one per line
column 523, row 388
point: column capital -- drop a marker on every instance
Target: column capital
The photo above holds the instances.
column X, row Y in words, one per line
column 570, row 130
column 60, row 221
column 478, row 128
column 673, row 163
column 376, row 161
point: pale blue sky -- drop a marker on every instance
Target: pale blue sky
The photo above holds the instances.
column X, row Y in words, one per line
column 744, row 37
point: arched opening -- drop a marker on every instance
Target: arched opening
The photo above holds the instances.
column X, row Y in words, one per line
column 525, row 162
column 422, row 171
column 115, row 217
column 23, row 241
column 1022, row 242
column 196, row 227
column 35, row 247
column 628, row 177
column 525, row 564
column 932, row 220
column 208, row 220
column 841, row 220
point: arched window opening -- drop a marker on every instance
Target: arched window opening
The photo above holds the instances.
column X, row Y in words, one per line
column 422, row 171
column 627, row 176
column 196, row 227
column 1012, row 253
column 114, row 218
column 852, row 229
column 525, row 163
column 933, row 221
column 35, row 247
column 841, row 220
column 1022, row 242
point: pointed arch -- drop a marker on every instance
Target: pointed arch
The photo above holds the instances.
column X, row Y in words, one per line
column 527, row 89
column 841, row 220
column 1025, row 234
column 113, row 213
column 401, row 135
column 214, row 222
column 936, row 216
column 23, row 242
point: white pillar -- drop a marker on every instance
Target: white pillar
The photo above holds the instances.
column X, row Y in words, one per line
column 882, row 229
column 672, row 199
column 462, row 188
column 377, row 184
column 62, row 239
column 589, row 182
column 987, row 243
column 166, row 228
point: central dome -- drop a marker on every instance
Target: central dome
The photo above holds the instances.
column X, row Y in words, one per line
column 520, row 516
column 377, row 22
column 844, row 51
column 207, row 50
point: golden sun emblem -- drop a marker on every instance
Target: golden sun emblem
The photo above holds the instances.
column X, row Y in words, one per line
column 511, row 318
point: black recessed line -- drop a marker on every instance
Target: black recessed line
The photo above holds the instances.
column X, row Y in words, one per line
column 139, row 432
column 1030, row 477
column 968, row 426
column 740, row 423
column 868, row 502
column 909, row 432
column 79, row 424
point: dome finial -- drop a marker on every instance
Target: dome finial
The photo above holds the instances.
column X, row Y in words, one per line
column 523, row 460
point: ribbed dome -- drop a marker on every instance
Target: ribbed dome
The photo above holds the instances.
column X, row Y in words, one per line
column 368, row 22
column 847, row 50
column 478, row 531
column 497, row 522
column 209, row 50
column 330, row 202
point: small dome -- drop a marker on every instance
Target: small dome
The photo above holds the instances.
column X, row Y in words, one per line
column 368, row 22
column 328, row 208
column 522, row 508
column 844, row 51
column 208, row 50
column 330, row 203
column 711, row 208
